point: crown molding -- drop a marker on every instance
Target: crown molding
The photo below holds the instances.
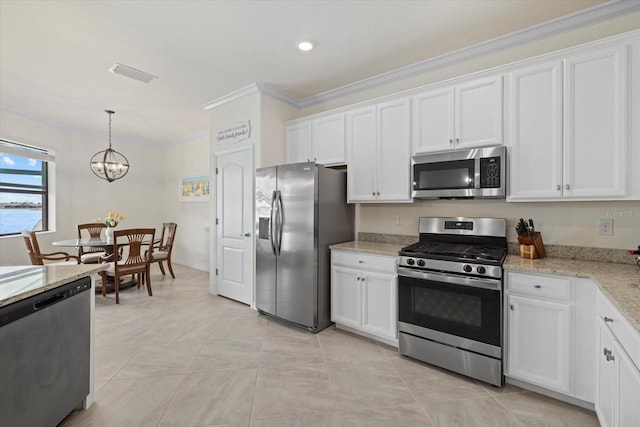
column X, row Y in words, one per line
column 587, row 17
column 591, row 16
column 258, row 87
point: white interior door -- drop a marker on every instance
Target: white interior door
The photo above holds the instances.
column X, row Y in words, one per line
column 234, row 224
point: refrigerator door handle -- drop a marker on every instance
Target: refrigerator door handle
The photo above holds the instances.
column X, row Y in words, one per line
column 279, row 222
column 271, row 223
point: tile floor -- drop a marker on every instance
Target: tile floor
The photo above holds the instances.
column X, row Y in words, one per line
column 186, row 358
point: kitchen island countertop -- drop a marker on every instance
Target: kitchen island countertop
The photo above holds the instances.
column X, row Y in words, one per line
column 20, row 282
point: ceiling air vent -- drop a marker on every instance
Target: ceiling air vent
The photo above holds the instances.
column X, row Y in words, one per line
column 132, row 73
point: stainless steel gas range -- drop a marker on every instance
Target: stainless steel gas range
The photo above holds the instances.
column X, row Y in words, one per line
column 450, row 296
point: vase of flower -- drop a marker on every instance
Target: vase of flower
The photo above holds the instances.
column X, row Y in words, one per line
column 111, row 221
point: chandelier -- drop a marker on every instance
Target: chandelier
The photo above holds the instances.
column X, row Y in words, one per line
column 109, row 164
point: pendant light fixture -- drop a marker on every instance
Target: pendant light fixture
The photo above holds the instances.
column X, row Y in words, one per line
column 109, row 164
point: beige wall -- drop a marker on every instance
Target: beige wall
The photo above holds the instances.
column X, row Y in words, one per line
column 191, row 246
column 274, row 114
column 80, row 196
column 562, row 223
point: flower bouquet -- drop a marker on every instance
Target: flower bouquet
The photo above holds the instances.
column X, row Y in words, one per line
column 111, row 221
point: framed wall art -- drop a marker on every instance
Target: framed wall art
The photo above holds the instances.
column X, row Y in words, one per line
column 195, row 188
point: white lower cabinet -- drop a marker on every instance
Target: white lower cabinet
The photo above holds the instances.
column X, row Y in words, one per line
column 618, row 379
column 364, row 294
column 549, row 334
column 539, row 346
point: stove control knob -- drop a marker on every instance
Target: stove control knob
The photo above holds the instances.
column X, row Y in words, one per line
column 467, row 268
column 421, row 262
column 481, row 270
column 410, row 261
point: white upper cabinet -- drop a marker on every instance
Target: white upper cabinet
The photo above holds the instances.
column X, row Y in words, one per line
column 535, row 132
column 595, row 137
column 378, row 153
column 567, row 125
column 298, row 142
column 321, row 140
column 462, row 116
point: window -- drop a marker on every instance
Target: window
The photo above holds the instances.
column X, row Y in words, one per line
column 24, row 189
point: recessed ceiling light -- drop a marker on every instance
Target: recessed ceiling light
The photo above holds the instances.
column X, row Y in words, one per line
column 132, row 73
column 306, row 45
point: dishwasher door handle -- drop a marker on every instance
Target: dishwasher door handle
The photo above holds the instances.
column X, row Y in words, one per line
column 47, row 302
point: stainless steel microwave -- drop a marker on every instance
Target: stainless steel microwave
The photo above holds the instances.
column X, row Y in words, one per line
column 460, row 174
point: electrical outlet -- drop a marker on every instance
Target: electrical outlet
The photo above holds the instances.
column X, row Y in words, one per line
column 399, row 219
column 605, row 227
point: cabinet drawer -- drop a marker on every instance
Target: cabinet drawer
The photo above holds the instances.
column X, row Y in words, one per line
column 541, row 286
column 357, row 260
column 621, row 329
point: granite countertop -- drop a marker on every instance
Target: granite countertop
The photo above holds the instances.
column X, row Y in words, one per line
column 366, row 247
column 20, row 282
column 620, row 282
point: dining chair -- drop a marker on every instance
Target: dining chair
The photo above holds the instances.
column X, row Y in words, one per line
column 162, row 250
column 91, row 255
column 135, row 262
column 38, row 258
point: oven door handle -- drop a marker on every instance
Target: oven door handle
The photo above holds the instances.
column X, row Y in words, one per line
column 494, row 285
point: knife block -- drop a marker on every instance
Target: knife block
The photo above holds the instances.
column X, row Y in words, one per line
column 531, row 245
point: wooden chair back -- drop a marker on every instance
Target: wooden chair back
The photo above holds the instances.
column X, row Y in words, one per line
column 137, row 258
column 33, row 249
column 94, row 229
column 168, row 235
column 37, row 257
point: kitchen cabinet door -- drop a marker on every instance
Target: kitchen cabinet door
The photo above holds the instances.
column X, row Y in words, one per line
column 380, row 301
column 298, row 142
column 539, row 342
column 595, row 124
column 433, row 122
column 478, row 113
column 362, row 154
column 606, row 374
column 346, row 297
column 628, row 391
column 394, row 158
column 328, row 140
column 534, row 115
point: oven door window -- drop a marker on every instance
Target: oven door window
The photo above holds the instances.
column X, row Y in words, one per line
column 464, row 311
column 456, row 174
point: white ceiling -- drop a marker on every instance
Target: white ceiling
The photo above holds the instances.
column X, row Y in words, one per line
column 55, row 55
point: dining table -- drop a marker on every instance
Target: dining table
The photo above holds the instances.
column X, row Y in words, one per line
column 106, row 245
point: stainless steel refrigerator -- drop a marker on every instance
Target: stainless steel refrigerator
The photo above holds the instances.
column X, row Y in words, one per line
column 301, row 209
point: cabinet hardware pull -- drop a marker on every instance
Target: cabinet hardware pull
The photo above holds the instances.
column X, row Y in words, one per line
column 511, row 307
column 537, row 286
column 457, row 141
column 568, row 187
column 608, row 319
column 360, row 261
column 451, row 141
column 608, row 354
column 558, row 187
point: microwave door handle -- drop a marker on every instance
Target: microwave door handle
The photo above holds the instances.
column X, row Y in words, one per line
column 476, row 172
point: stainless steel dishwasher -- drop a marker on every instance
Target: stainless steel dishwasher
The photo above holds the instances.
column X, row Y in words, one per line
column 44, row 355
